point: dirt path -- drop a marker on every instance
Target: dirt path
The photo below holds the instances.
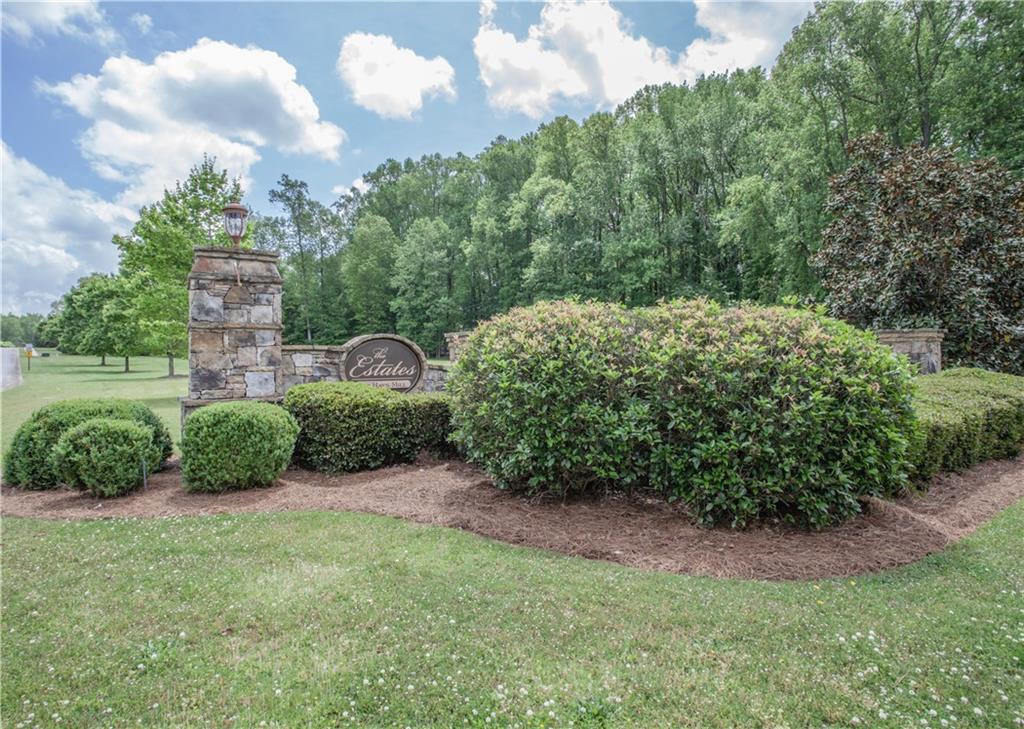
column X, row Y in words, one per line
column 636, row 532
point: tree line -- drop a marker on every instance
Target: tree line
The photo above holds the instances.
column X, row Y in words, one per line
column 717, row 188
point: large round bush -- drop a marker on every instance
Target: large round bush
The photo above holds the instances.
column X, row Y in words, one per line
column 351, row 426
column 106, row 456
column 29, row 462
column 236, row 445
column 743, row 413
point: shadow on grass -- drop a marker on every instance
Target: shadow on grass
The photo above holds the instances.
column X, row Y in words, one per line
column 132, row 376
column 82, row 370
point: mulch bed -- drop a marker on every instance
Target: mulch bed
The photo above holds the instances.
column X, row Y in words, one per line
column 634, row 531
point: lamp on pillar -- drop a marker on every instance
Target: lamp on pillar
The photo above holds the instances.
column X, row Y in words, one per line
column 235, row 214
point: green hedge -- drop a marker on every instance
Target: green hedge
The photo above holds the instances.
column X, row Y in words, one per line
column 29, row 462
column 966, row 416
column 350, row 426
column 106, row 456
column 236, row 445
column 743, row 413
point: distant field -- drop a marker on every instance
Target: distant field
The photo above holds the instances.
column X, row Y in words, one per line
column 61, row 376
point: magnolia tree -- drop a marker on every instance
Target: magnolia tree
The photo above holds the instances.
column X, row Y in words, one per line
column 919, row 238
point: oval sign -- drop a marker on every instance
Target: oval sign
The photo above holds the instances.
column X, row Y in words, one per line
column 384, row 361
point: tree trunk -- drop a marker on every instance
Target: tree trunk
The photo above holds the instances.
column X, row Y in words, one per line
column 103, row 360
column 170, row 365
column 126, row 364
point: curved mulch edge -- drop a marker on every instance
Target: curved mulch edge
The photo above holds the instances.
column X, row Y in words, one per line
column 644, row 533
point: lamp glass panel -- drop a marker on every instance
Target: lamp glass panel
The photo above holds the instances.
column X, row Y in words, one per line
column 234, row 224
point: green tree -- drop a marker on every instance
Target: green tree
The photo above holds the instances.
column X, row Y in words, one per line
column 160, row 246
column 293, row 196
column 747, row 237
column 919, row 237
column 20, row 329
column 986, row 83
column 367, row 272
column 123, row 325
column 78, row 321
column 424, row 281
column 156, row 304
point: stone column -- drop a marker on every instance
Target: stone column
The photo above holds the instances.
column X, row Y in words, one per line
column 922, row 346
column 455, row 341
column 234, row 328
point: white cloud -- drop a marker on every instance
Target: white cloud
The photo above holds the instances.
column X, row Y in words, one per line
column 82, row 19
column 142, row 22
column 52, row 234
column 391, row 81
column 359, row 184
column 742, row 34
column 152, row 121
column 588, row 51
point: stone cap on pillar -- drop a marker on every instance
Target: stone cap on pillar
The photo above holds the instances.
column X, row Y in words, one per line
column 220, row 264
column 911, row 333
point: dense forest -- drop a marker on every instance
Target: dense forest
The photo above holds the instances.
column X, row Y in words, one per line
column 719, row 188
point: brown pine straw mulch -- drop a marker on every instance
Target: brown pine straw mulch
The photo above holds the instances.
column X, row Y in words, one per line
column 644, row 533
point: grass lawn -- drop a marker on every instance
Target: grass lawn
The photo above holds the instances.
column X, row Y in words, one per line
column 323, row 619
column 61, row 376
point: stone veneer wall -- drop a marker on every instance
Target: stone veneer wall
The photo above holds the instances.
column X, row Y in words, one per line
column 302, row 363
column 436, row 379
column 234, row 299
column 922, row 346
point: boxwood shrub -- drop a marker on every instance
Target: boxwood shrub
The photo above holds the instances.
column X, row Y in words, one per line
column 351, row 426
column 29, row 462
column 743, row 413
column 966, row 416
column 106, row 456
column 236, row 445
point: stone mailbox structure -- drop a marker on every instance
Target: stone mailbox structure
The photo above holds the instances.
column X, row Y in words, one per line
column 922, row 346
column 234, row 330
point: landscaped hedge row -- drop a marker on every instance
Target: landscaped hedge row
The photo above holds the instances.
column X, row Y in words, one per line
column 30, row 462
column 966, row 416
column 742, row 413
column 349, row 426
column 236, row 445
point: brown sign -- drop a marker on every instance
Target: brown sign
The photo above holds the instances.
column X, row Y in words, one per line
column 384, row 361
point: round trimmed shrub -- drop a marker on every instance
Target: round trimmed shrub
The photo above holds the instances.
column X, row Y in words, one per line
column 236, row 445
column 351, row 426
column 29, row 462
column 745, row 414
column 105, row 456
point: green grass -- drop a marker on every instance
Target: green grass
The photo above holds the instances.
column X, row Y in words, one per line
column 62, row 376
column 322, row 620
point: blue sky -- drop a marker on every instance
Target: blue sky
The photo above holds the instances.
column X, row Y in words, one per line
column 105, row 104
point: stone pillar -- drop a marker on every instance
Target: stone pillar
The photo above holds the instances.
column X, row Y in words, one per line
column 234, row 328
column 922, row 346
column 455, row 342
